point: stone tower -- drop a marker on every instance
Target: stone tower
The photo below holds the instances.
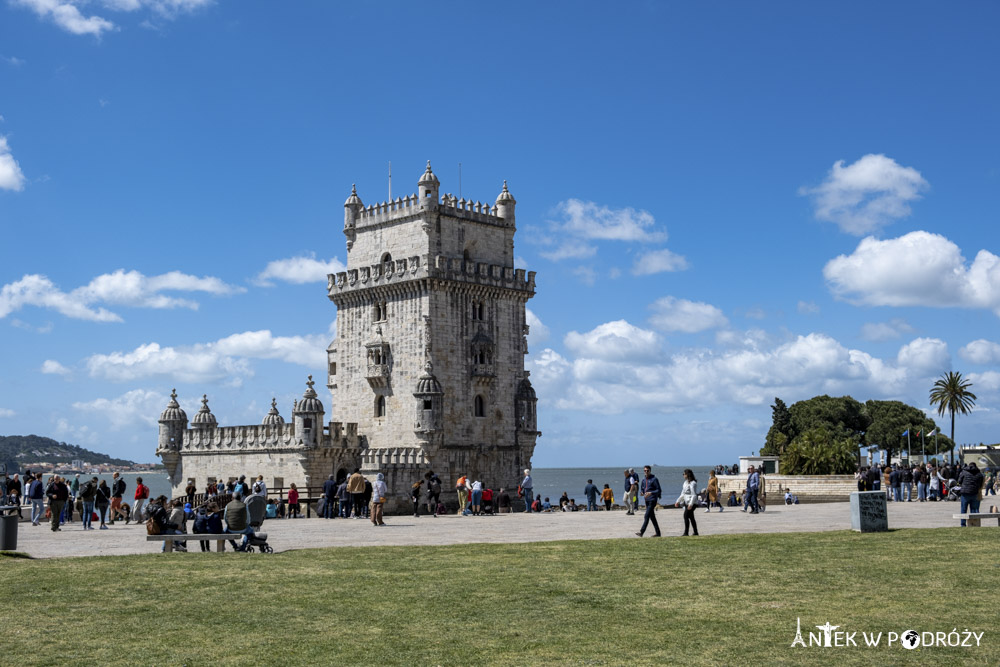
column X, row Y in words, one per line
column 431, row 338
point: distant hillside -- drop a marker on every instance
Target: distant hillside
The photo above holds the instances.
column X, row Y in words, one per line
column 16, row 450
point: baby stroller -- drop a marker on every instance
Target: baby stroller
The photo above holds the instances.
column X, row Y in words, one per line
column 954, row 491
column 257, row 507
column 488, row 506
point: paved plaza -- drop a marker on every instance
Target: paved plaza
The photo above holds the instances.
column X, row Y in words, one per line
column 285, row 535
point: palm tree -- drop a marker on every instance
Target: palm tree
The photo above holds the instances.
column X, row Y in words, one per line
column 951, row 394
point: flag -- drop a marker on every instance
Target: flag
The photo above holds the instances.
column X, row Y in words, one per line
column 918, row 434
column 905, row 433
column 933, row 432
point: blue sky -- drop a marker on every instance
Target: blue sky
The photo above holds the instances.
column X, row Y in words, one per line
column 724, row 203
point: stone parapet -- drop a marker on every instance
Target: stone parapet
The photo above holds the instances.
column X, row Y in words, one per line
column 809, row 488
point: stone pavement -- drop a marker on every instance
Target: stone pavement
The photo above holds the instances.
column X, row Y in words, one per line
column 284, row 535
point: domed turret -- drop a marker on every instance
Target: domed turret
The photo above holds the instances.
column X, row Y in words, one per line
column 429, row 404
column 309, row 403
column 352, row 208
column 272, row 418
column 427, row 187
column 505, row 205
column 173, row 423
column 307, row 415
column 174, row 412
column 204, row 418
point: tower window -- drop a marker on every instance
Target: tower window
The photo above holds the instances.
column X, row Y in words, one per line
column 307, row 423
column 380, row 406
column 428, row 404
column 480, row 407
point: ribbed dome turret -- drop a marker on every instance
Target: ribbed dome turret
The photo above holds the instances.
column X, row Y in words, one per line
column 173, row 413
column 204, row 416
column 354, row 199
column 525, row 391
column 428, row 176
column 505, row 195
column 308, row 402
column 428, row 384
column 272, row 418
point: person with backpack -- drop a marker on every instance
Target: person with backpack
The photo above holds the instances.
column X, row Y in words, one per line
column 101, row 502
column 88, row 493
column 259, row 487
column 433, row 493
column 117, row 491
column 141, row 496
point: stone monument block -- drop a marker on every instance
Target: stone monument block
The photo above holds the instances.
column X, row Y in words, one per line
column 869, row 513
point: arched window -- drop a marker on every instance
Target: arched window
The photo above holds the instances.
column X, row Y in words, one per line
column 386, row 258
column 307, row 423
column 480, row 311
column 380, row 406
column 480, row 407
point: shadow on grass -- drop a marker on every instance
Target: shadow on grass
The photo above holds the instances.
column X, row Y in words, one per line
column 14, row 554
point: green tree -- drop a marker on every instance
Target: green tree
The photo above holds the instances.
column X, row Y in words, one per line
column 890, row 419
column 780, row 433
column 819, row 452
column 843, row 416
column 951, row 394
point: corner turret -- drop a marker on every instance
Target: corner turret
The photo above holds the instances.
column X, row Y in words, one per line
column 427, row 187
column 308, row 417
column 505, row 205
column 173, row 422
column 352, row 207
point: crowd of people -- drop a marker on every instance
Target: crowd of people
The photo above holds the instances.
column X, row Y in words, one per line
column 57, row 498
column 964, row 483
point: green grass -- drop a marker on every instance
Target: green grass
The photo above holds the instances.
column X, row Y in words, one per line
column 721, row 600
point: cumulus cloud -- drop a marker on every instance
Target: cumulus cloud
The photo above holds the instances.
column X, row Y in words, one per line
column 658, row 261
column 917, row 269
column 66, row 15
column 981, row 352
column 586, row 274
column 878, row 332
column 672, row 314
column 538, row 332
column 7, row 412
column 580, row 223
column 52, row 367
column 11, row 176
column 808, row 307
column 611, row 370
column 225, row 359
column 614, row 341
column 867, row 195
column 136, row 407
column 120, row 288
column 299, row 270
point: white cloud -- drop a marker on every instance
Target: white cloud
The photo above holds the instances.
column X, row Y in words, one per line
column 136, row 407
column 917, row 269
column 981, row 352
column 867, row 195
column 882, row 331
column 14, row 61
column 927, row 356
column 74, row 433
column 658, row 261
column 538, row 332
column 225, row 359
column 672, row 314
column 52, row 367
column 570, row 249
column 615, row 341
column 299, row 270
column 586, row 274
column 808, row 307
column 6, row 412
column 11, row 176
column 66, row 15
column 122, row 288
column 756, row 313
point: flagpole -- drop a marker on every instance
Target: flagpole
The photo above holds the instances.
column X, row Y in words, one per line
column 908, row 443
column 923, row 449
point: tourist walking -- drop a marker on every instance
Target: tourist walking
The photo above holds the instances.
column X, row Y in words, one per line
column 379, row 493
column 526, row 489
column 101, row 501
column 57, row 493
column 415, row 490
column 117, row 492
column 713, row 491
column 591, row 492
column 433, row 493
column 88, row 493
column 356, row 487
column 970, row 481
column 608, row 496
column 345, row 499
column 753, row 487
column 689, row 499
column 36, row 494
column 141, row 496
column 650, row 489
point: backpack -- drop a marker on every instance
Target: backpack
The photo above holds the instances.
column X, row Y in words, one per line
column 257, row 487
column 143, row 492
column 435, row 486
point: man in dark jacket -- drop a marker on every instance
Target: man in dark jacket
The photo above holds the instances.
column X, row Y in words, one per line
column 238, row 521
column 329, row 498
column 36, row 494
column 650, row 489
column 895, row 483
column 58, row 494
column 117, row 492
column 970, row 481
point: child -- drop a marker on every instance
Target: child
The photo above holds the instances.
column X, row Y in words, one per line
column 271, row 510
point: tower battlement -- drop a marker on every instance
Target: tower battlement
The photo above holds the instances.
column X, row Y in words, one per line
column 443, row 268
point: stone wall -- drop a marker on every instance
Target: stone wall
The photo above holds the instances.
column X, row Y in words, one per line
column 809, row 488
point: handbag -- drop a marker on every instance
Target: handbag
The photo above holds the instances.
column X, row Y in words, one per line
column 152, row 528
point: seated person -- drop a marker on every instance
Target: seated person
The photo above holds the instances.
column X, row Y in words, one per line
column 570, row 506
column 537, row 505
column 733, row 500
column 546, row 505
column 441, row 509
column 238, row 521
column 271, row 509
column 157, row 512
column 282, row 508
column 788, row 496
column 563, row 500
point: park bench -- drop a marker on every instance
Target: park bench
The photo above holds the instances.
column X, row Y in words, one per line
column 220, row 539
column 975, row 517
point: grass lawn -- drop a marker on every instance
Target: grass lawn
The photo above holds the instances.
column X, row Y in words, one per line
column 721, row 600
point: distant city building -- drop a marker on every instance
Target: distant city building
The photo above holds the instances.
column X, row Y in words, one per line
column 427, row 370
